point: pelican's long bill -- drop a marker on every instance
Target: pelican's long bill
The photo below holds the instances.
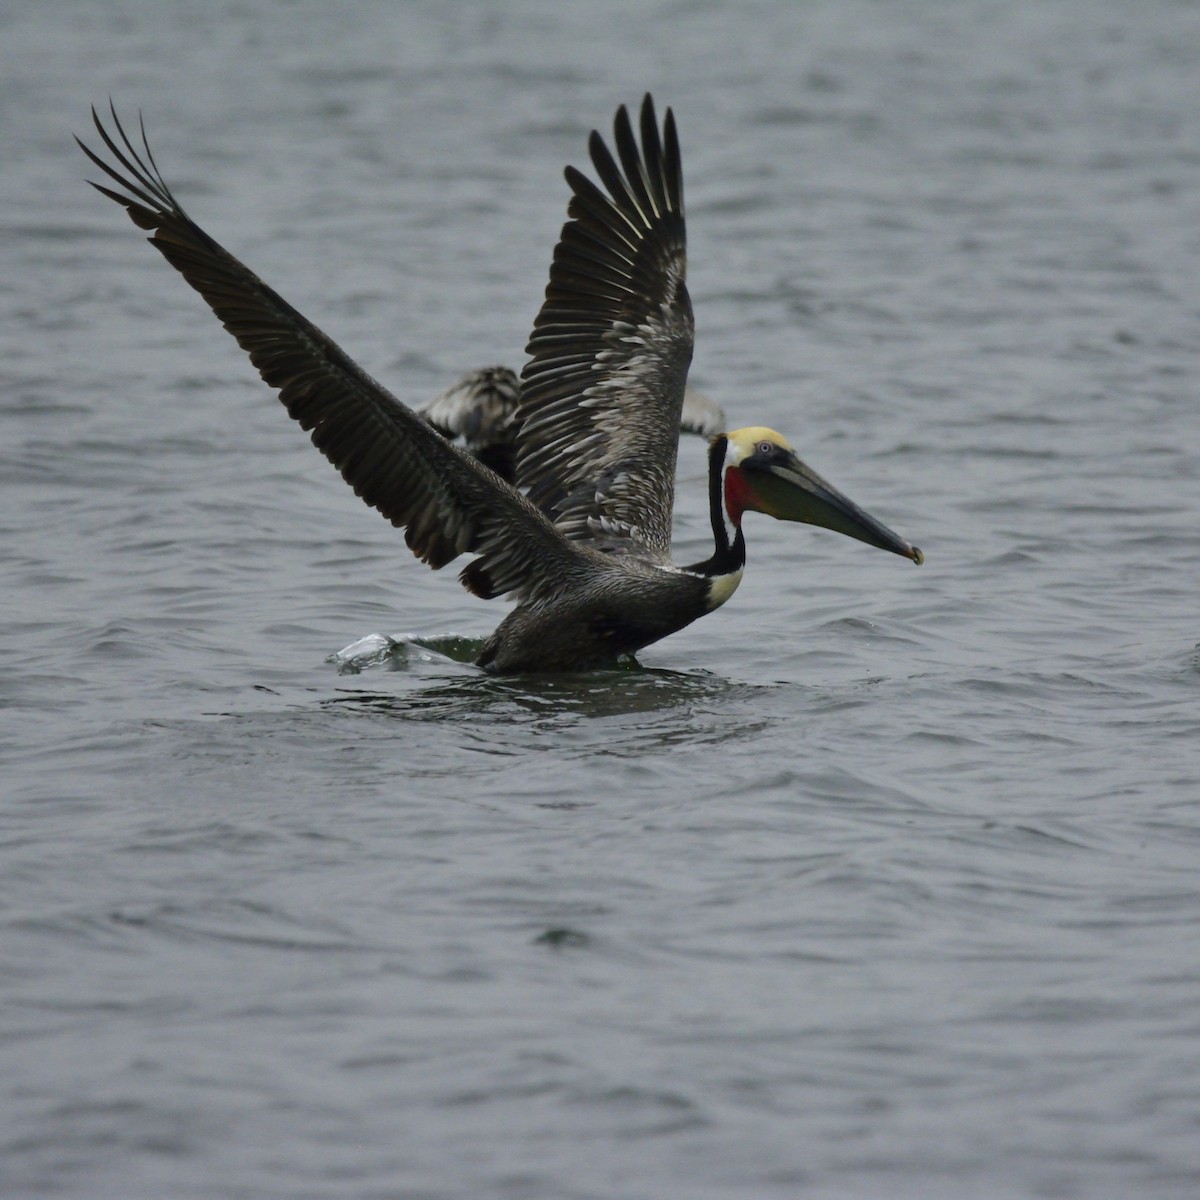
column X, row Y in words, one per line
column 783, row 487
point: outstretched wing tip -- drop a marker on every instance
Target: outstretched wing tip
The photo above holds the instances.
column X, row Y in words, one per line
column 446, row 503
column 610, row 348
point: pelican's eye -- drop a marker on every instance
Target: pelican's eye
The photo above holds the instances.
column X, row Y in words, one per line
column 766, row 449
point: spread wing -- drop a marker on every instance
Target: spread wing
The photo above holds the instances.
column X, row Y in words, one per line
column 602, row 393
column 446, row 502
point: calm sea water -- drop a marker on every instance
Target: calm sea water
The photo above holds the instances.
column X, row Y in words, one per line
column 879, row 882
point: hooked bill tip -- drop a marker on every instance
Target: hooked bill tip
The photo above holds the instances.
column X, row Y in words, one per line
column 916, row 554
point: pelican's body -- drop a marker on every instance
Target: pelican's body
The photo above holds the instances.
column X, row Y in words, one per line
column 575, row 521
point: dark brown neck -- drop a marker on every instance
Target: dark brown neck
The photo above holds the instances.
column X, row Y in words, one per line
column 729, row 555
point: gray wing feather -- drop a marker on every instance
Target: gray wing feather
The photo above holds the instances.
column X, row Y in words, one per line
column 446, row 502
column 481, row 409
column 602, row 393
column 701, row 414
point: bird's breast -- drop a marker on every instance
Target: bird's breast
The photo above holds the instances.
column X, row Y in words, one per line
column 721, row 587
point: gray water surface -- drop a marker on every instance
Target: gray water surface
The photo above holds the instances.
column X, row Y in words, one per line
column 877, row 882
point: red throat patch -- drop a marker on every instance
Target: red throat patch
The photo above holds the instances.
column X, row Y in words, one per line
column 739, row 495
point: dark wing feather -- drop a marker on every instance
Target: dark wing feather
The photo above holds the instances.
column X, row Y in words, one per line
column 446, row 502
column 602, row 392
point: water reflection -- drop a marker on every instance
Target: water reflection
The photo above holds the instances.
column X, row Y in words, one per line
column 625, row 710
column 615, row 692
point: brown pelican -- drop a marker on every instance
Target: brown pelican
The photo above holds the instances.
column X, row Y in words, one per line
column 583, row 539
